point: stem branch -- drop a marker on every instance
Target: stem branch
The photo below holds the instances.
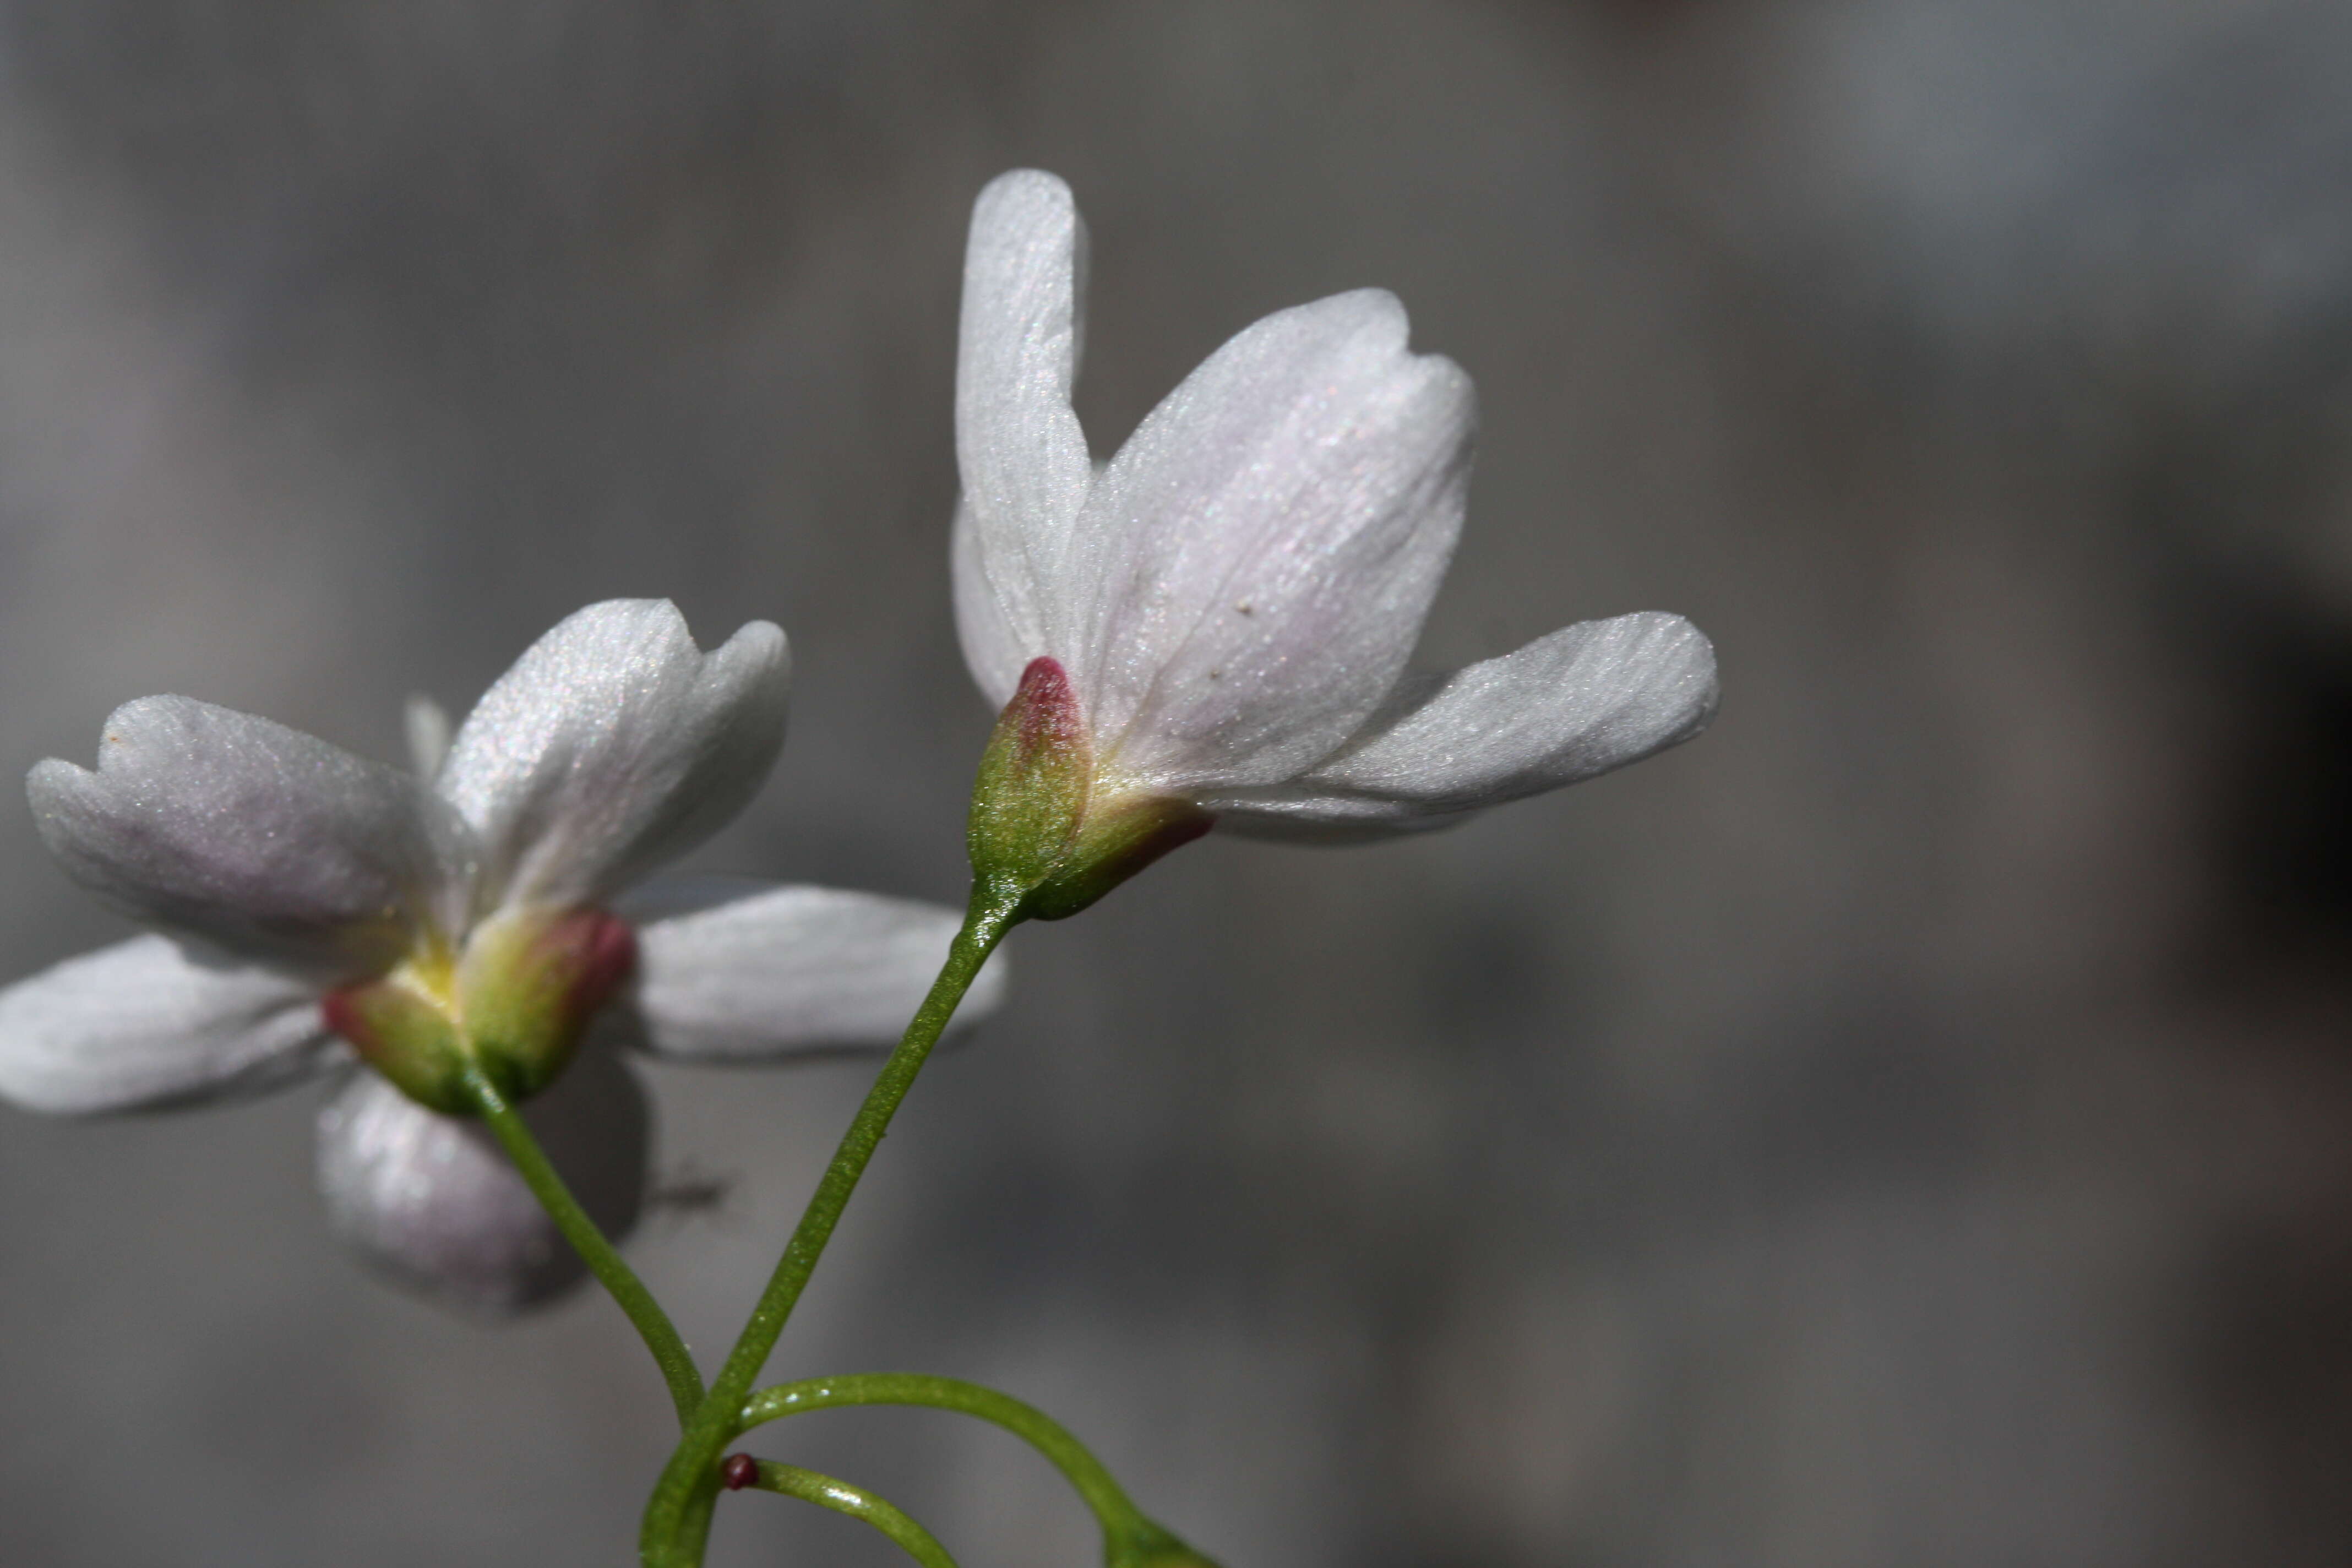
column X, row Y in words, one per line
column 1128, row 1531
column 675, row 1525
column 858, row 1503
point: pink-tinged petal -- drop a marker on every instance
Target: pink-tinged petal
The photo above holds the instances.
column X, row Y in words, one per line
column 1587, row 699
column 612, row 746
column 1018, row 444
column 430, row 1202
column 264, row 840
column 730, row 971
column 148, row 1025
column 1256, row 562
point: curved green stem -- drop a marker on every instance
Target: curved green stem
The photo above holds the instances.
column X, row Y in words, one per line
column 1122, row 1522
column 858, row 1503
column 671, row 1536
column 1130, row 1538
column 539, row 1174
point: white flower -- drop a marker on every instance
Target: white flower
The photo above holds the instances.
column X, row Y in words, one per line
column 1229, row 603
column 299, row 888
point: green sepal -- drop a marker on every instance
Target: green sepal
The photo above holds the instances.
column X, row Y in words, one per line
column 405, row 1031
column 1046, row 839
column 528, row 985
column 1034, row 777
column 514, row 1004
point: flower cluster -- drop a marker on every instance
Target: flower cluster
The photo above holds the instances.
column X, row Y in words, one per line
column 311, row 905
column 1213, row 628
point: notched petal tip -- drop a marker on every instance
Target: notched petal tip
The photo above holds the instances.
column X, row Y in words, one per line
column 1376, row 316
column 614, row 744
column 272, row 843
column 1267, row 545
column 757, row 662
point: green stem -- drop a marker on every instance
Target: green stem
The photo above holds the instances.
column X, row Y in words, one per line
column 539, row 1174
column 672, row 1537
column 1128, row 1533
column 858, row 1503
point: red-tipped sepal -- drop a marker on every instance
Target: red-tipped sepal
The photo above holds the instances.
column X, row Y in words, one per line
column 1047, row 837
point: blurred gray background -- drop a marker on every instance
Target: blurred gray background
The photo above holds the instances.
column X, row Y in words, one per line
column 1907, row 1125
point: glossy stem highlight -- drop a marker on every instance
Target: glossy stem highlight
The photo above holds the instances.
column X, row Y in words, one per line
column 1121, row 1520
column 859, row 1504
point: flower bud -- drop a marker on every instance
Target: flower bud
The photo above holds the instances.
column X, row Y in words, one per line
column 1046, row 835
column 514, row 1003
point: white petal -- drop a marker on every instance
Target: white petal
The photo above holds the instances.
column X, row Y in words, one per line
column 432, row 1202
column 1018, row 444
column 273, row 844
column 995, row 649
column 1262, row 553
column 614, row 744
column 148, row 1024
column 1587, row 699
column 738, row 972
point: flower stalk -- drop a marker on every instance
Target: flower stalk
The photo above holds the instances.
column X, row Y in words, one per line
column 603, row 1259
column 1130, row 1538
column 677, row 1517
column 857, row 1502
